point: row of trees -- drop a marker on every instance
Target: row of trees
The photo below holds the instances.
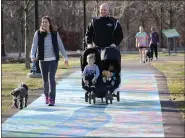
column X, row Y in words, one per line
column 18, row 17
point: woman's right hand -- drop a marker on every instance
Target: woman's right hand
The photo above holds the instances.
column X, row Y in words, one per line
column 33, row 59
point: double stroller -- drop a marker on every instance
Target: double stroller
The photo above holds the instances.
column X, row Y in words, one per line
column 103, row 59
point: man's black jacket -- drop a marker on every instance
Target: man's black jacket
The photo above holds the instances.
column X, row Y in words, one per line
column 104, row 31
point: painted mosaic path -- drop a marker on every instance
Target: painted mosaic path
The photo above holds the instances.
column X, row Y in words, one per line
column 138, row 114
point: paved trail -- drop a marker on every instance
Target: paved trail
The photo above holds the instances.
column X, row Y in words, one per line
column 138, row 114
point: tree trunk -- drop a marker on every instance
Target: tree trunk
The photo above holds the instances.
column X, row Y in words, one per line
column 19, row 40
column 171, row 16
column 161, row 27
column 97, row 8
column 21, row 37
column 127, row 32
column 143, row 22
column 2, row 35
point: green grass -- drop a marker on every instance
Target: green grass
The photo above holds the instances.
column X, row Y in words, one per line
column 14, row 74
column 174, row 72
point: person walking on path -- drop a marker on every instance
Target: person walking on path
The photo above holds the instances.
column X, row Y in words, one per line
column 48, row 43
column 104, row 31
column 142, row 43
column 154, row 42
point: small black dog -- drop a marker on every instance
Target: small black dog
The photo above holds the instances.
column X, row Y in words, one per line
column 148, row 55
column 20, row 93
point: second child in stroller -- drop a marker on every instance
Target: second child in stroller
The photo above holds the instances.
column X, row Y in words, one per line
column 91, row 73
column 109, row 77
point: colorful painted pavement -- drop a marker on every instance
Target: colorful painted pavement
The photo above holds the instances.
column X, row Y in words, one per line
column 138, row 114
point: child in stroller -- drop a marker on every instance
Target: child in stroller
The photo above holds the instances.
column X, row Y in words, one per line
column 109, row 77
column 111, row 66
column 91, row 73
column 91, row 88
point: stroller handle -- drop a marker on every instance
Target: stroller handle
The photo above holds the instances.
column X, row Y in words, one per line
column 97, row 47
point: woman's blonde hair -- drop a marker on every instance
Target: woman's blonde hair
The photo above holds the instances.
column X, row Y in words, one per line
column 52, row 27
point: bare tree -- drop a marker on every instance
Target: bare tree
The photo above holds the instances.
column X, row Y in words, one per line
column 27, row 8
column 68, row 16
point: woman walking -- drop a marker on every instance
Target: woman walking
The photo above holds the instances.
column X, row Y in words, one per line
column 154, row 42
column 48, row 43
column 142, row 43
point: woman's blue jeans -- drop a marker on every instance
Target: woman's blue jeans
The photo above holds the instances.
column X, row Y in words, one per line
column 48, row 70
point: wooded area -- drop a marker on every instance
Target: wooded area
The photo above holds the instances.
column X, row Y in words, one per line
column 18, row 17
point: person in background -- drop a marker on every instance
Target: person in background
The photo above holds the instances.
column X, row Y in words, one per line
column 142, row 43
column 154, row 42
column 104, row 31
column 48, row 43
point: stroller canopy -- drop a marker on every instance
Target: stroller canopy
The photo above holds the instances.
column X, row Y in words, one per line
column 111, row 55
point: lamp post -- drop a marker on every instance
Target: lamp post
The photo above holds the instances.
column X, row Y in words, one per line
column 36, row 28
column 84, row 9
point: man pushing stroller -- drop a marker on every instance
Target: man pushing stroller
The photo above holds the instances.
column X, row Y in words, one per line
column 104, row 30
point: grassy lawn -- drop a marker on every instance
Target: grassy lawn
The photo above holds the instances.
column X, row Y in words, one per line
column 174, row 72
column 14, row 74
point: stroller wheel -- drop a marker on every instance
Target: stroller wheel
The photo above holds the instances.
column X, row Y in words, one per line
column 106, row 98
column 118, row 97
column 107, row 101
column 94, row 98
column 86, row 97
column 90, row 98
column 102, row 99
column 110, row 98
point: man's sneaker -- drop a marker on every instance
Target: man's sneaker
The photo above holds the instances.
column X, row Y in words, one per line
column 51, row 102
column 47, row 100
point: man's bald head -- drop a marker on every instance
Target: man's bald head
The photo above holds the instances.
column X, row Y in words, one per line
column 104, row 9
